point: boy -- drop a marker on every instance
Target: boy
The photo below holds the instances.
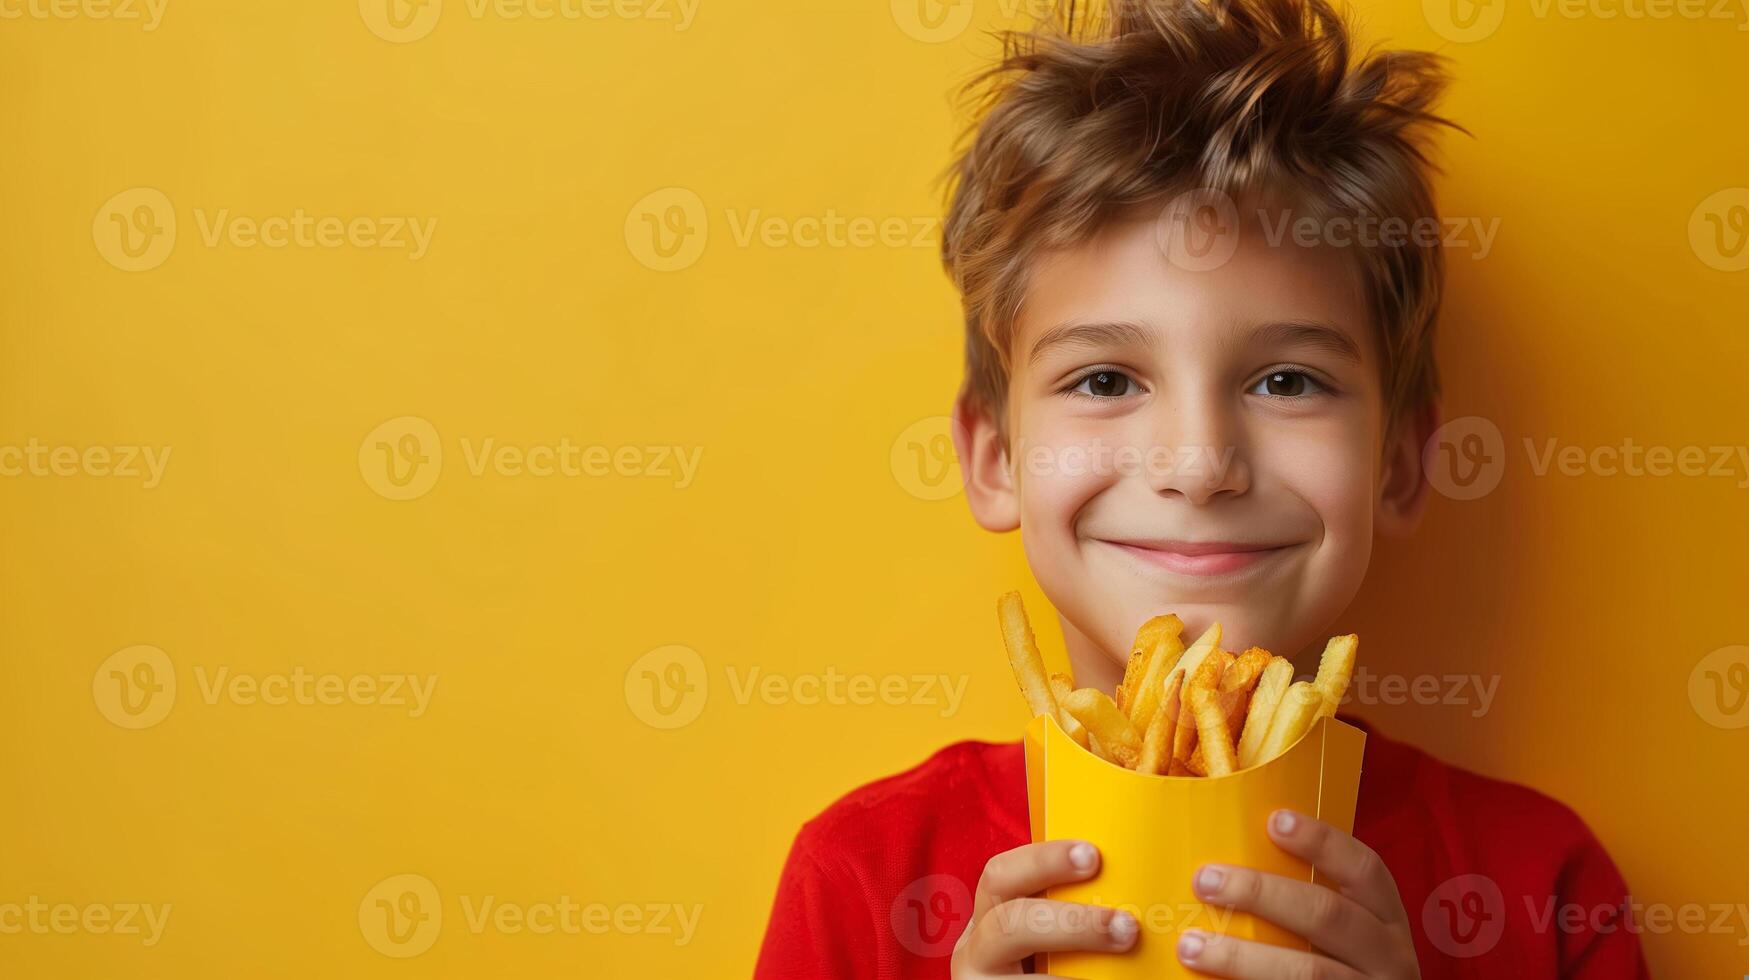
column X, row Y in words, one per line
column 1186, row 403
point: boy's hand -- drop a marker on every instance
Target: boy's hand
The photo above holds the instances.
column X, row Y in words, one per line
column 1008, row 925
column 1359, row 929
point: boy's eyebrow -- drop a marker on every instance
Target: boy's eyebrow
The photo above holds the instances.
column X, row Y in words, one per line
column 1113, row 333
column 1308, row 334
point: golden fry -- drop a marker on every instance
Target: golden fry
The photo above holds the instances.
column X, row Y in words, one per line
column 1335, row 669
column 1191, row 661
column 1215, row 742
column 1207, row 643
column 1151, row 688
column 1061, row 685
column 1197, row 765
column 1141, row 652
column 1023, row 656
column 1237, row 684
column 1206, row 676
column 1299, row 708
column 1157, row 739
column 1105, row 722
column 1265, row 698
column 1131, row 676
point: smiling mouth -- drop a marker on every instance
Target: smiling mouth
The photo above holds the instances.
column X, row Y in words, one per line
column 1200, row 557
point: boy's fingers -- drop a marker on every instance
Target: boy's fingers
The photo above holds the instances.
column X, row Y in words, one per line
column 1354, row 868
column 1331, row 921
column 1017, row 929
column 1030, row 869
column 1225, row 956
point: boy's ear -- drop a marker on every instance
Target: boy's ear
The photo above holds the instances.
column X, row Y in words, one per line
column 1403, row 486
column 984, row 466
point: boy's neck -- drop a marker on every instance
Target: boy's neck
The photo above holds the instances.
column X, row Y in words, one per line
column 1093, row 667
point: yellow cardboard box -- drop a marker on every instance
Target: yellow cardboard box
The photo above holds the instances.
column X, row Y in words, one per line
column 1153, row 832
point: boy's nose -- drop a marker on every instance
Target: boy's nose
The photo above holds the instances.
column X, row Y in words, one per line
column 1199, row 455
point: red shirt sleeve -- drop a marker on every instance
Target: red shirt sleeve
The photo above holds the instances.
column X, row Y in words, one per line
column 819, row 924
column 1604, row 942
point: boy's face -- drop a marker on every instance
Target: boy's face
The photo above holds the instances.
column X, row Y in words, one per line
column 1205, row 442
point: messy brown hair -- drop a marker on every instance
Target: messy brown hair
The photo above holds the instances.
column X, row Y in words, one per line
column 1087, row 115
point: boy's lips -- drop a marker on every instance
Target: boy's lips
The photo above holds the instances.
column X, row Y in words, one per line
column 1199, row 557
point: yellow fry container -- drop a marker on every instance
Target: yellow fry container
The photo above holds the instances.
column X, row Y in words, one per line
column 1154, row 832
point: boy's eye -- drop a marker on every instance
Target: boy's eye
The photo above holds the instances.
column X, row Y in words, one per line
column 1286, row 384
column 1105, row 384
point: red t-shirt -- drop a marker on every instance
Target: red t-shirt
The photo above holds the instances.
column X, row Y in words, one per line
column 1498, row 880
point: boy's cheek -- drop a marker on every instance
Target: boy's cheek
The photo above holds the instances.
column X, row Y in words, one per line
column 1336, row 475
column 1056, row 478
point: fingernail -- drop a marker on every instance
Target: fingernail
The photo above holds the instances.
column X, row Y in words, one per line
column 1284, row 822
column 1123, row 929
column 1082, row 856
column 1190, row 946
column 1209, row 879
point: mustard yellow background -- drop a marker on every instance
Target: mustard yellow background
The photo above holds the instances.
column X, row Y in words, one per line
column 559, row 301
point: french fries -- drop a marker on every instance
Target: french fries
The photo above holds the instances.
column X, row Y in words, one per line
column 1157, row 738
column 1206, row 677
column 1105, row 722
column 1061, row 685
column 1024, row 656
column 1151, row 688
column 1237, row 684
column 1211, row 727
column 1299, row 708
column 1142, row 653
column 1334, row 670
column 1276, row 679
column 1196, row 711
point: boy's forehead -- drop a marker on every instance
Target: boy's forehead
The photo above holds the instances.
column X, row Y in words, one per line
column 1127, row 272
